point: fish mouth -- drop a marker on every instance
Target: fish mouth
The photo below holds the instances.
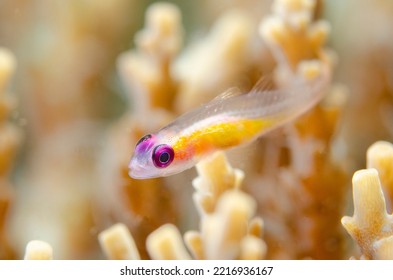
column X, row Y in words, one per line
column 138, row 171
column 135, row 173
column 139, row 174
column 135, row 170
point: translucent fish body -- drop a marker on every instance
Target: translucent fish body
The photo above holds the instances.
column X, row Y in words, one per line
column 228, row 121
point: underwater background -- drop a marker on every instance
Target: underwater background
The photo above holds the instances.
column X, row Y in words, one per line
column 82, row 81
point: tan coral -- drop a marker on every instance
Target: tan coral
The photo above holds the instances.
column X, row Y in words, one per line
column 194, row 243
column 10, row 135
column 255, row 227
column 162, row 36
column 10, row 138
column 146, row 72
column 223, row 231
column 65, row 98
column 124, row 197
column 166, row 243
column 118, row 244
column 7, row 67
column 148, row 68
column 298, row 13
column 294, row 176
column 368, row 117
column 7, row 104
column 291, row 31
column 209, row 186
column 309, row 184
column 370, row 226
column 6, row 197
column 228, row 231
column 384, row 249
column 38, row 250
column 217, row 62
column 228, row 228
column 380, row 157
column 252, row 248
column 300, row 178
column 216, row 177
column 9, row 142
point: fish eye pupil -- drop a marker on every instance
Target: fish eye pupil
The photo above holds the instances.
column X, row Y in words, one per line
column 164, row 157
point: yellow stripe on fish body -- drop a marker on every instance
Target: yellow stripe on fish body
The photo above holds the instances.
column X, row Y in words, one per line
column 221, row 135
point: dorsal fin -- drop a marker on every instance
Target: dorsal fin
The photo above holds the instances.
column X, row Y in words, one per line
column 265, row 83
column 229, row 93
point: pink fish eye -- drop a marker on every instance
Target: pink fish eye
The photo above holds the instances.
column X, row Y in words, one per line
column 162, row 156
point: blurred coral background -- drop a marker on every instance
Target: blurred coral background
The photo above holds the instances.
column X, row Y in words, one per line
column 82, row 81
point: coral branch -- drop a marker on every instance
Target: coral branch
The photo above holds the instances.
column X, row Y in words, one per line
column 223, row 230
column 146, row 70
column 370, row 226
column 216, row 177
column 380, row 157
column 194, row 243
column 295, row 177
column 228, row 228
column 304, row 180
column 38, row 250
column 384, row 248
column 216, row 63
column 7, row 67
column 166, row 243
column 9, row 142
column 256, row 227
column 10, row 138
column 118, row 244
column 291, row 33
column 252, row 248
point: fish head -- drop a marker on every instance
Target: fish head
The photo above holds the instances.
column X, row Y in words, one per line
column 154, row 157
